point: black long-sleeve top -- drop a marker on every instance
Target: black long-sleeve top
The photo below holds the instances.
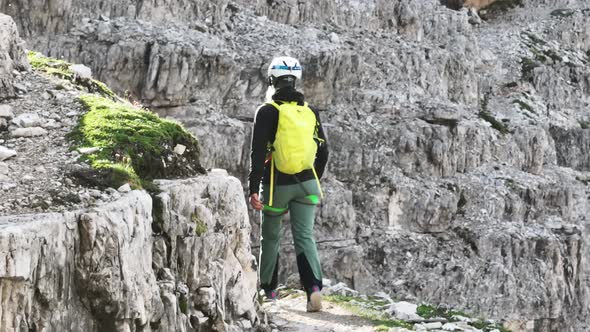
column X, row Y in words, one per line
column 265, row 128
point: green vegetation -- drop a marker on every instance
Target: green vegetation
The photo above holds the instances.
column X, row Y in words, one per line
column 370, row 308
column 365, row 308
column 563, row 12
column 523, row 105
column 498, row 7
column 487, row 327
column 61, row 69
column 503, row 5
column 135, row 144
column 183, row 304
column 499, row 126
column 511, row 85
column 534, row 38
column 585, row 181
column 157, row 214
column 428, row 311
column 527, row 67
column 584, row 124
column 200, row 226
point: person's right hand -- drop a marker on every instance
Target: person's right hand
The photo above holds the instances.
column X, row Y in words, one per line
column 255, row 202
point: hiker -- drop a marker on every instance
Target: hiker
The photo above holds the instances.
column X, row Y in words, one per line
column 289, row 154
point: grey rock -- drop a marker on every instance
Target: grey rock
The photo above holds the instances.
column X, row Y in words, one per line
column 179, row 149
column 3, row 124
column 20, row 87
column 6, row 112
column 404, row 311
column 110, row 247
column 81, row 71
column 6, row 153
column 3, row 168
column 27, row 120
column 88, row 150
column 12, row 56
column 124, row 188
column 29, row 132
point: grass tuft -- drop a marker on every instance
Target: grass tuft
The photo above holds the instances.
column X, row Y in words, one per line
column 498, row 125
column 200, row 226
column 524, row 106
column 366, row 308
column 528, row 66
column 61, row 69
column 135, row 145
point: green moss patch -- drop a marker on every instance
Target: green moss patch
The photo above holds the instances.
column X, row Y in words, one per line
column 503, row 5
column 200, row 226
column 563, row 12
column 366, row 308
column 429, row 311
column 498, row 125
column 528, row 66
column 136, row 146
column 523, row 105
column 61, row 69
column 498, row 8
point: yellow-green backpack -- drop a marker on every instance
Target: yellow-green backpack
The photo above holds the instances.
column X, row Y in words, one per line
column 295, row 146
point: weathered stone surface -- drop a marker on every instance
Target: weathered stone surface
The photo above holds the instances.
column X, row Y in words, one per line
column 6, row 112
column 458, row 151
column 6, row 153
column 27, row 120
column 29, row 132
column 207, row 217
column 93, row 270
column 12, row 55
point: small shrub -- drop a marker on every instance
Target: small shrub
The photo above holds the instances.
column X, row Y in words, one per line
column 61, row 69
column 381, row 321
column 200, row 226
column 523, row 105
column 527, row 68
column 498, row 125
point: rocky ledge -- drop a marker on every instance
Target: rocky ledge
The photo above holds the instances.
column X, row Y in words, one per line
column 104, row 269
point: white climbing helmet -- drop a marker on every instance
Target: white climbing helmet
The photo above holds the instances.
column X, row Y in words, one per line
column 284, row 65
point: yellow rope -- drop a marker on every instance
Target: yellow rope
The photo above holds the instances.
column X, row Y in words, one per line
column 318, row 182
column 272, row 179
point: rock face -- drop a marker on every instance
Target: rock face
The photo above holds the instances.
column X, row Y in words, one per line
column 458, row 172
column 102, row 269
column 12, row 55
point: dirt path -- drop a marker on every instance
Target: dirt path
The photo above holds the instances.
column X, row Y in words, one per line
column 289, row 314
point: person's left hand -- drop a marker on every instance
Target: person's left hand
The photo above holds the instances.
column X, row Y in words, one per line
column 255, row 202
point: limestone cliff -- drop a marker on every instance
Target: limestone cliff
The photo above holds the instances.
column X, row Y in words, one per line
column 103, row 269
column 458, row 173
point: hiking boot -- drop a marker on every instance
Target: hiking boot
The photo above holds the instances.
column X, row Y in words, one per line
column 314, row 302
column 271, row 295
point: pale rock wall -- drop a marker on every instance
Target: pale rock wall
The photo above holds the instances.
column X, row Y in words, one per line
column 104, row 269
column 12, row 56
column 420, row 186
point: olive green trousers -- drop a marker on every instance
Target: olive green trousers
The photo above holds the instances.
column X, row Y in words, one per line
column 302, row 215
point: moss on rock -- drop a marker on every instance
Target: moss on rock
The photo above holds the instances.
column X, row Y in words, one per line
column 62, row 69
column 200, row 226
column 366, row 308
column 135, row 145
column 499, row 126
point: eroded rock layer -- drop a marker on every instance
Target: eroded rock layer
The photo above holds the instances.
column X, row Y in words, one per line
column 458, row 171
column 105, row 269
